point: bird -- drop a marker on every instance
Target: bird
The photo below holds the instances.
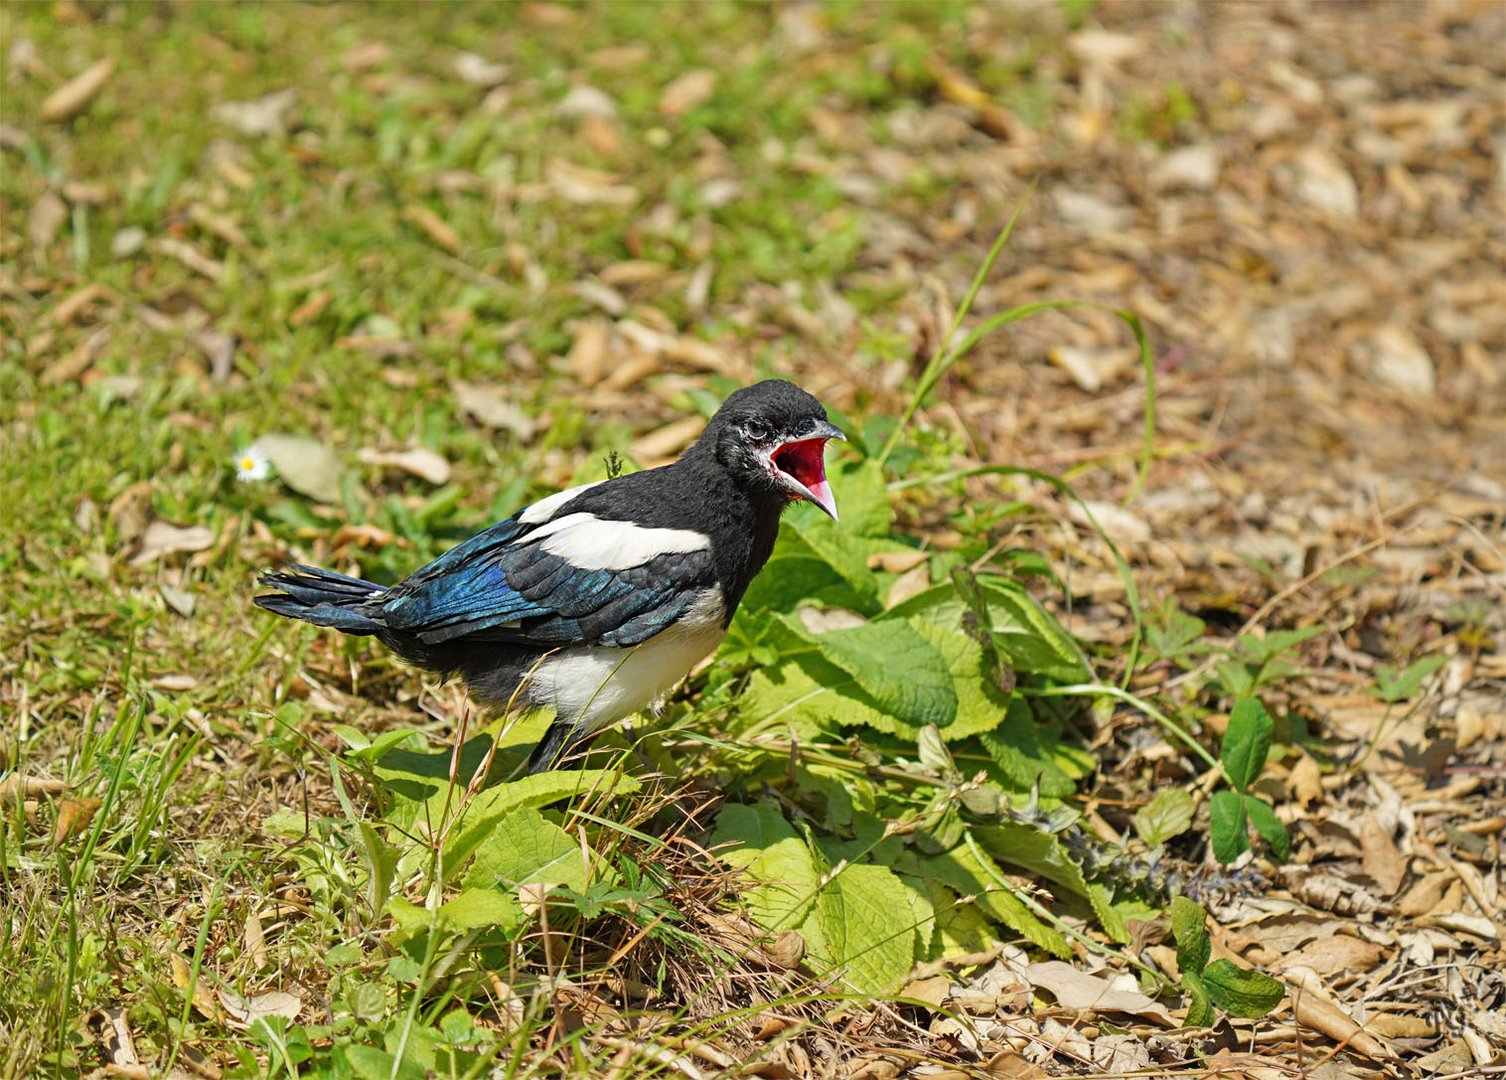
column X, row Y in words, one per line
column 597, row 600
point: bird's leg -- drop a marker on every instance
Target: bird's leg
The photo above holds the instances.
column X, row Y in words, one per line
column 562, row 737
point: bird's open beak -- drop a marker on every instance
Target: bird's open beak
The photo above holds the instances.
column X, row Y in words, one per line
column 802, row 467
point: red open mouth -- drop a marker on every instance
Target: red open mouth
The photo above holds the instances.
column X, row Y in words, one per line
column 803, row 462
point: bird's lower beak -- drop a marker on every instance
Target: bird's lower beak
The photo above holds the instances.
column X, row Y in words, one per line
column 802, row 463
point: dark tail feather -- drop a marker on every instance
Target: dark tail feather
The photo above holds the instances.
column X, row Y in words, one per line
column 321, row 597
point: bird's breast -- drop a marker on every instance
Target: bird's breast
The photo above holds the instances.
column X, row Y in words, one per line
column 598, row 685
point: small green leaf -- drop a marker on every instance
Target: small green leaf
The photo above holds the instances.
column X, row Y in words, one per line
column 410, row 918
column 523, row 848
column 903, row 672
column 1168, row 814
column 1262, row 649
column 1240, row 991
column 1234, row 678
column 1393, row 684
column 1247, row 741
column 813, row 697
column 381, row 863
column 1034, row 640
column 863, row 497
column 866, row 928
column 961, row 870
column 481, row 815
column 1042, row 853
column 1268, row 825
column 934, row 755
column 977, row 623
column 1227, row 826
column 1199, row 1011
column 1189, row 927
column 368, row 1001
column 760, row 842
column 479, row 908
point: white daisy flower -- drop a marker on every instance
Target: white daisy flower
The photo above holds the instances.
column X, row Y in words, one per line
column 251, row 464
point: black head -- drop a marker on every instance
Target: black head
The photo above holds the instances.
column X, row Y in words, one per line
column 771, row 437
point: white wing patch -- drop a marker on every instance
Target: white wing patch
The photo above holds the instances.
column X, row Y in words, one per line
column 547, row 507
column 594, row 543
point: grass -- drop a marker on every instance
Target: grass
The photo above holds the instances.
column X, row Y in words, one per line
column 178, row 730
column 215, row 831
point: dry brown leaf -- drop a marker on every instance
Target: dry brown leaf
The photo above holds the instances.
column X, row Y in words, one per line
column 578, row 184
column 74, row 816
column 491, row 409
column 602, row 136
column 418, row 460
column 933, row 991
column 191, row 257
column 162, row 539
column 13, row 784
column 588, row 102
column 1009, row 1065
column 602, row 295
column 1078, row 990
column 175, row 682
column 74, row 96
column 633, row 272
column 663, row 443
column 953, row 85
column 698, row 354
column 1315, row 1008
column 433, row 226
column 305, row 464
column 1382, row 862
column 632, row 371
column 689, row 90
column 912, row 582
column 1400, row 1026
column 73, row 305
column 1339, row 954
column 218, row 225
column 255, row 940
column 115, row 1033
column 588, row 352
column 47, row 213
column 365, row 55
column 1305, row 781
column 203, row 998
column 820, row 620
column 478, row 70
column 874, row 1068
column 264, row 116
column 76, row 361
column 180, row 601
column 242, row 1012
column 786, row 951
column 311, row 308
column 219, row 350
column 897, row 562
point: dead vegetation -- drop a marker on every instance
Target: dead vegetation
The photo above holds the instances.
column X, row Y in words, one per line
column 1301, row 201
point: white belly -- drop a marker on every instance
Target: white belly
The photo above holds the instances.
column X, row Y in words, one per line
column 600, row 685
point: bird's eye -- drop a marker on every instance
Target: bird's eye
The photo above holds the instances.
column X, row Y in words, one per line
column 756, row 430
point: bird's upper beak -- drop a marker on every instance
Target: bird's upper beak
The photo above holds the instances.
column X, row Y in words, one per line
column 801, row 463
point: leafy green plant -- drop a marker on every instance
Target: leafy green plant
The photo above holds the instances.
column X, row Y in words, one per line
column 904, row 721
column 1393, row 684
column 1247, row 742
column 1220, row 984
column 1255, row 661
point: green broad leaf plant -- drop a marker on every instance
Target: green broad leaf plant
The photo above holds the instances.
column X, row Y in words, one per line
column 1220, row 984
column 1233, row 810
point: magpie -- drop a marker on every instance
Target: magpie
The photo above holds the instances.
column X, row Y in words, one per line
column 597, row 600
